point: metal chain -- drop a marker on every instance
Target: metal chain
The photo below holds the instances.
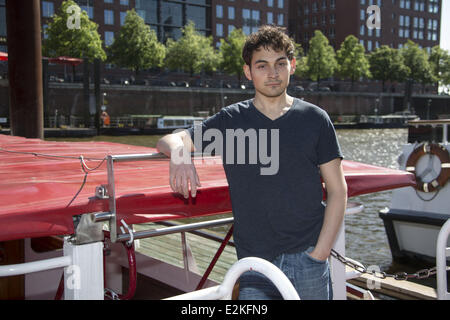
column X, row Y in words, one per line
column 421, row 274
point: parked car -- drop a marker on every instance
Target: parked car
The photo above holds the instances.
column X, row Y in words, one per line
column 324, row 89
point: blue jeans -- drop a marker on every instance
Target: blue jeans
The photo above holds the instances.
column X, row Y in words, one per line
column 310, row 277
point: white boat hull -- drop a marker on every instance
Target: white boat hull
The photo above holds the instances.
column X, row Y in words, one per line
column 414, row 218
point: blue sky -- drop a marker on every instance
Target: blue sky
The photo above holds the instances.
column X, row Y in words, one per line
column 445, row 25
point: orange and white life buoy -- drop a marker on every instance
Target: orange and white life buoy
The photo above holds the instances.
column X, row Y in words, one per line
column 434, row 149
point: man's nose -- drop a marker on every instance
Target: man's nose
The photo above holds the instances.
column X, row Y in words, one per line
column 273, row 72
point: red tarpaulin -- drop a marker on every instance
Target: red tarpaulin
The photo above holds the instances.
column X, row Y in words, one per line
column 35, row 190
column 60, row 60
column 66, row 60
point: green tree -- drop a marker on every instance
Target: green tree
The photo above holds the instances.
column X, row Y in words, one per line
column 136, row 47
column 416, row 61
column 191, row 53
column 351, row 59
column 439, row 60
column 446, row 75
column 321, row 58
column 231, row 53
column 301, row 63
column 387, row 64
column 72, row 34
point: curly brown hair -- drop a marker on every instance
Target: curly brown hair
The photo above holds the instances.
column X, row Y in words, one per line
column 268, row 36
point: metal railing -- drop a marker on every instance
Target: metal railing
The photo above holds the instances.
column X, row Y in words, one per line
column 442, row 252
column 225, row 290
column 35, row 266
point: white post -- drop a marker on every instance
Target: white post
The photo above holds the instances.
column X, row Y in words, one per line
column 338, row 275
column 83, row 279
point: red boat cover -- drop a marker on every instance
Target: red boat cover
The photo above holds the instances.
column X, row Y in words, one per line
column 35, row 190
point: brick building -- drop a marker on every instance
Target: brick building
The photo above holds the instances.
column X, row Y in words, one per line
column 211, row 17
column 418, row 20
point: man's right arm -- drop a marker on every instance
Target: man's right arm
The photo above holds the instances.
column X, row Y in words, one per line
column 183, row 175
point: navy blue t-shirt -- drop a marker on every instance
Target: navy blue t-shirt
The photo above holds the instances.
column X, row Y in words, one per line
column 273, row 174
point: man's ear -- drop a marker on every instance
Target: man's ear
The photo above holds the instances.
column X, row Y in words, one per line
column 293, row 65
column 247, row 72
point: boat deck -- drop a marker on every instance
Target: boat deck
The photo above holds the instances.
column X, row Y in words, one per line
column 168, row 248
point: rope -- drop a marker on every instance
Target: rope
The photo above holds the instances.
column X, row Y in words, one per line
column 49, row 155
column 84, row 166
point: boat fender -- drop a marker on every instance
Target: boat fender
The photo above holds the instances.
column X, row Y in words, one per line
column 433, row 149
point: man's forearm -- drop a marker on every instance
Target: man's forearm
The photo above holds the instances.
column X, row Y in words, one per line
column 169, row 143
column 334, row 215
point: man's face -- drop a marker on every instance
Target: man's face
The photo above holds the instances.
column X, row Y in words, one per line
column 270, row 71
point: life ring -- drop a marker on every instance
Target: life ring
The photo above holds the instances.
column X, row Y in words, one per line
column 434, row 149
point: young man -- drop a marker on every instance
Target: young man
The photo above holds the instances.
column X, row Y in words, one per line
column 278, row 211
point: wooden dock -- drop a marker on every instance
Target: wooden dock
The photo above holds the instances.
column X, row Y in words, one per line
column 395, row 289
column 168, row 248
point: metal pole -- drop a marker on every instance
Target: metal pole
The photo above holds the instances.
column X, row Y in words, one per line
column 86, row 94
column 25, row 68
column 175, row 229
column 98, row 101
column 35, row 266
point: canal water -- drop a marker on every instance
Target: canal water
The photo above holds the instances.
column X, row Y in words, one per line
column 366, row 239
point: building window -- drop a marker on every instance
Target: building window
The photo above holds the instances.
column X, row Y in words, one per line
column 270, row 3
column 332, row 33
column 281, row 4
column 109, row 17
column 109, row 38
column 245, row 15
column 231, row 13
column 332, row 19
column 219, row 11
column 269, row 18
column 109, row 1
column 44, row 27
column 314, row 7
column 122, row 17
column 251, row 20
column 280, row 19
column 219, row 29
column 333, row 4
column 48, row 9
column 230, row 28
column 256, row 20
column 124, row 2
column 88, row 6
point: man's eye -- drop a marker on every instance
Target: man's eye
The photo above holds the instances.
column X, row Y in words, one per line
column 282, row 64
column 261, row 67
